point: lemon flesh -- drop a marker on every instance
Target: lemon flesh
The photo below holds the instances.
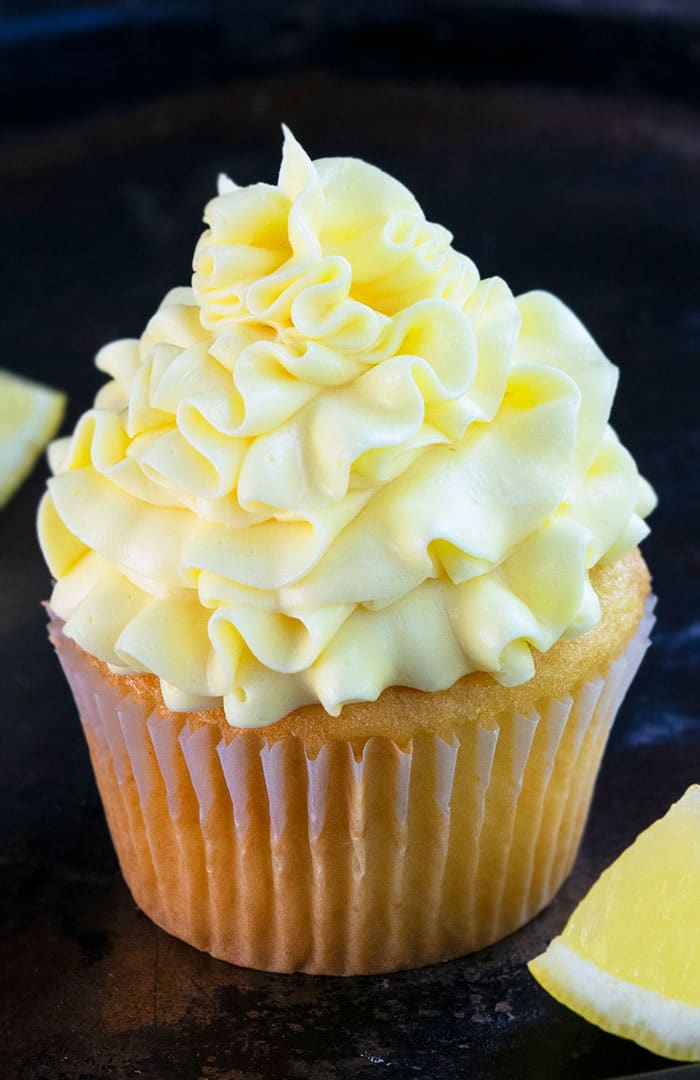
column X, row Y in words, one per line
column 628, row 960
column 29, row 417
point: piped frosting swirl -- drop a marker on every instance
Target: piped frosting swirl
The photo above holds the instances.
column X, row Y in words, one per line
column 339, row 461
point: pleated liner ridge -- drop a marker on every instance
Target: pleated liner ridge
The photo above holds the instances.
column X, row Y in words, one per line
column 349, row 861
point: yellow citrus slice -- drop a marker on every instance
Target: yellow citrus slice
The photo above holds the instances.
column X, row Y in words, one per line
column 629, row 957
column 29, row 416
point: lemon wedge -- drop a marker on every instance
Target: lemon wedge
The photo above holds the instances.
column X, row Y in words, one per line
column 29, row 417
column 628, row 959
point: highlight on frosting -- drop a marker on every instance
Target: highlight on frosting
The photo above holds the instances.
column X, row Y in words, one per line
column 339, row 461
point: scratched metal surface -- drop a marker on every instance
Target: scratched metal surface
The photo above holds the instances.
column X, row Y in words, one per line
column 592, row 196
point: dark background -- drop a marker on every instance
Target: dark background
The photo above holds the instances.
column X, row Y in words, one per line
column 65, row 59
column 560, row 141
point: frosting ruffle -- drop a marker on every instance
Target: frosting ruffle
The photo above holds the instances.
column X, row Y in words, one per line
column 339, row 461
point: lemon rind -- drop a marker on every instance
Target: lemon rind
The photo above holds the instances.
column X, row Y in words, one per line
column 658, row 1023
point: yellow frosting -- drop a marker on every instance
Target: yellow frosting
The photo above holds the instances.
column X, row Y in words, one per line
column 339, row 461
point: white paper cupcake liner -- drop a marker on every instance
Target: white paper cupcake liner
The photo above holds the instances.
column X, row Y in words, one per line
column 346, row 861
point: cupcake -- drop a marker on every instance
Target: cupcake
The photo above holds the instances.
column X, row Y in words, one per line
column 347, row 586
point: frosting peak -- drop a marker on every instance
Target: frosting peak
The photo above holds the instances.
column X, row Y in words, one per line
column 329, row 255
column 339, row 461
